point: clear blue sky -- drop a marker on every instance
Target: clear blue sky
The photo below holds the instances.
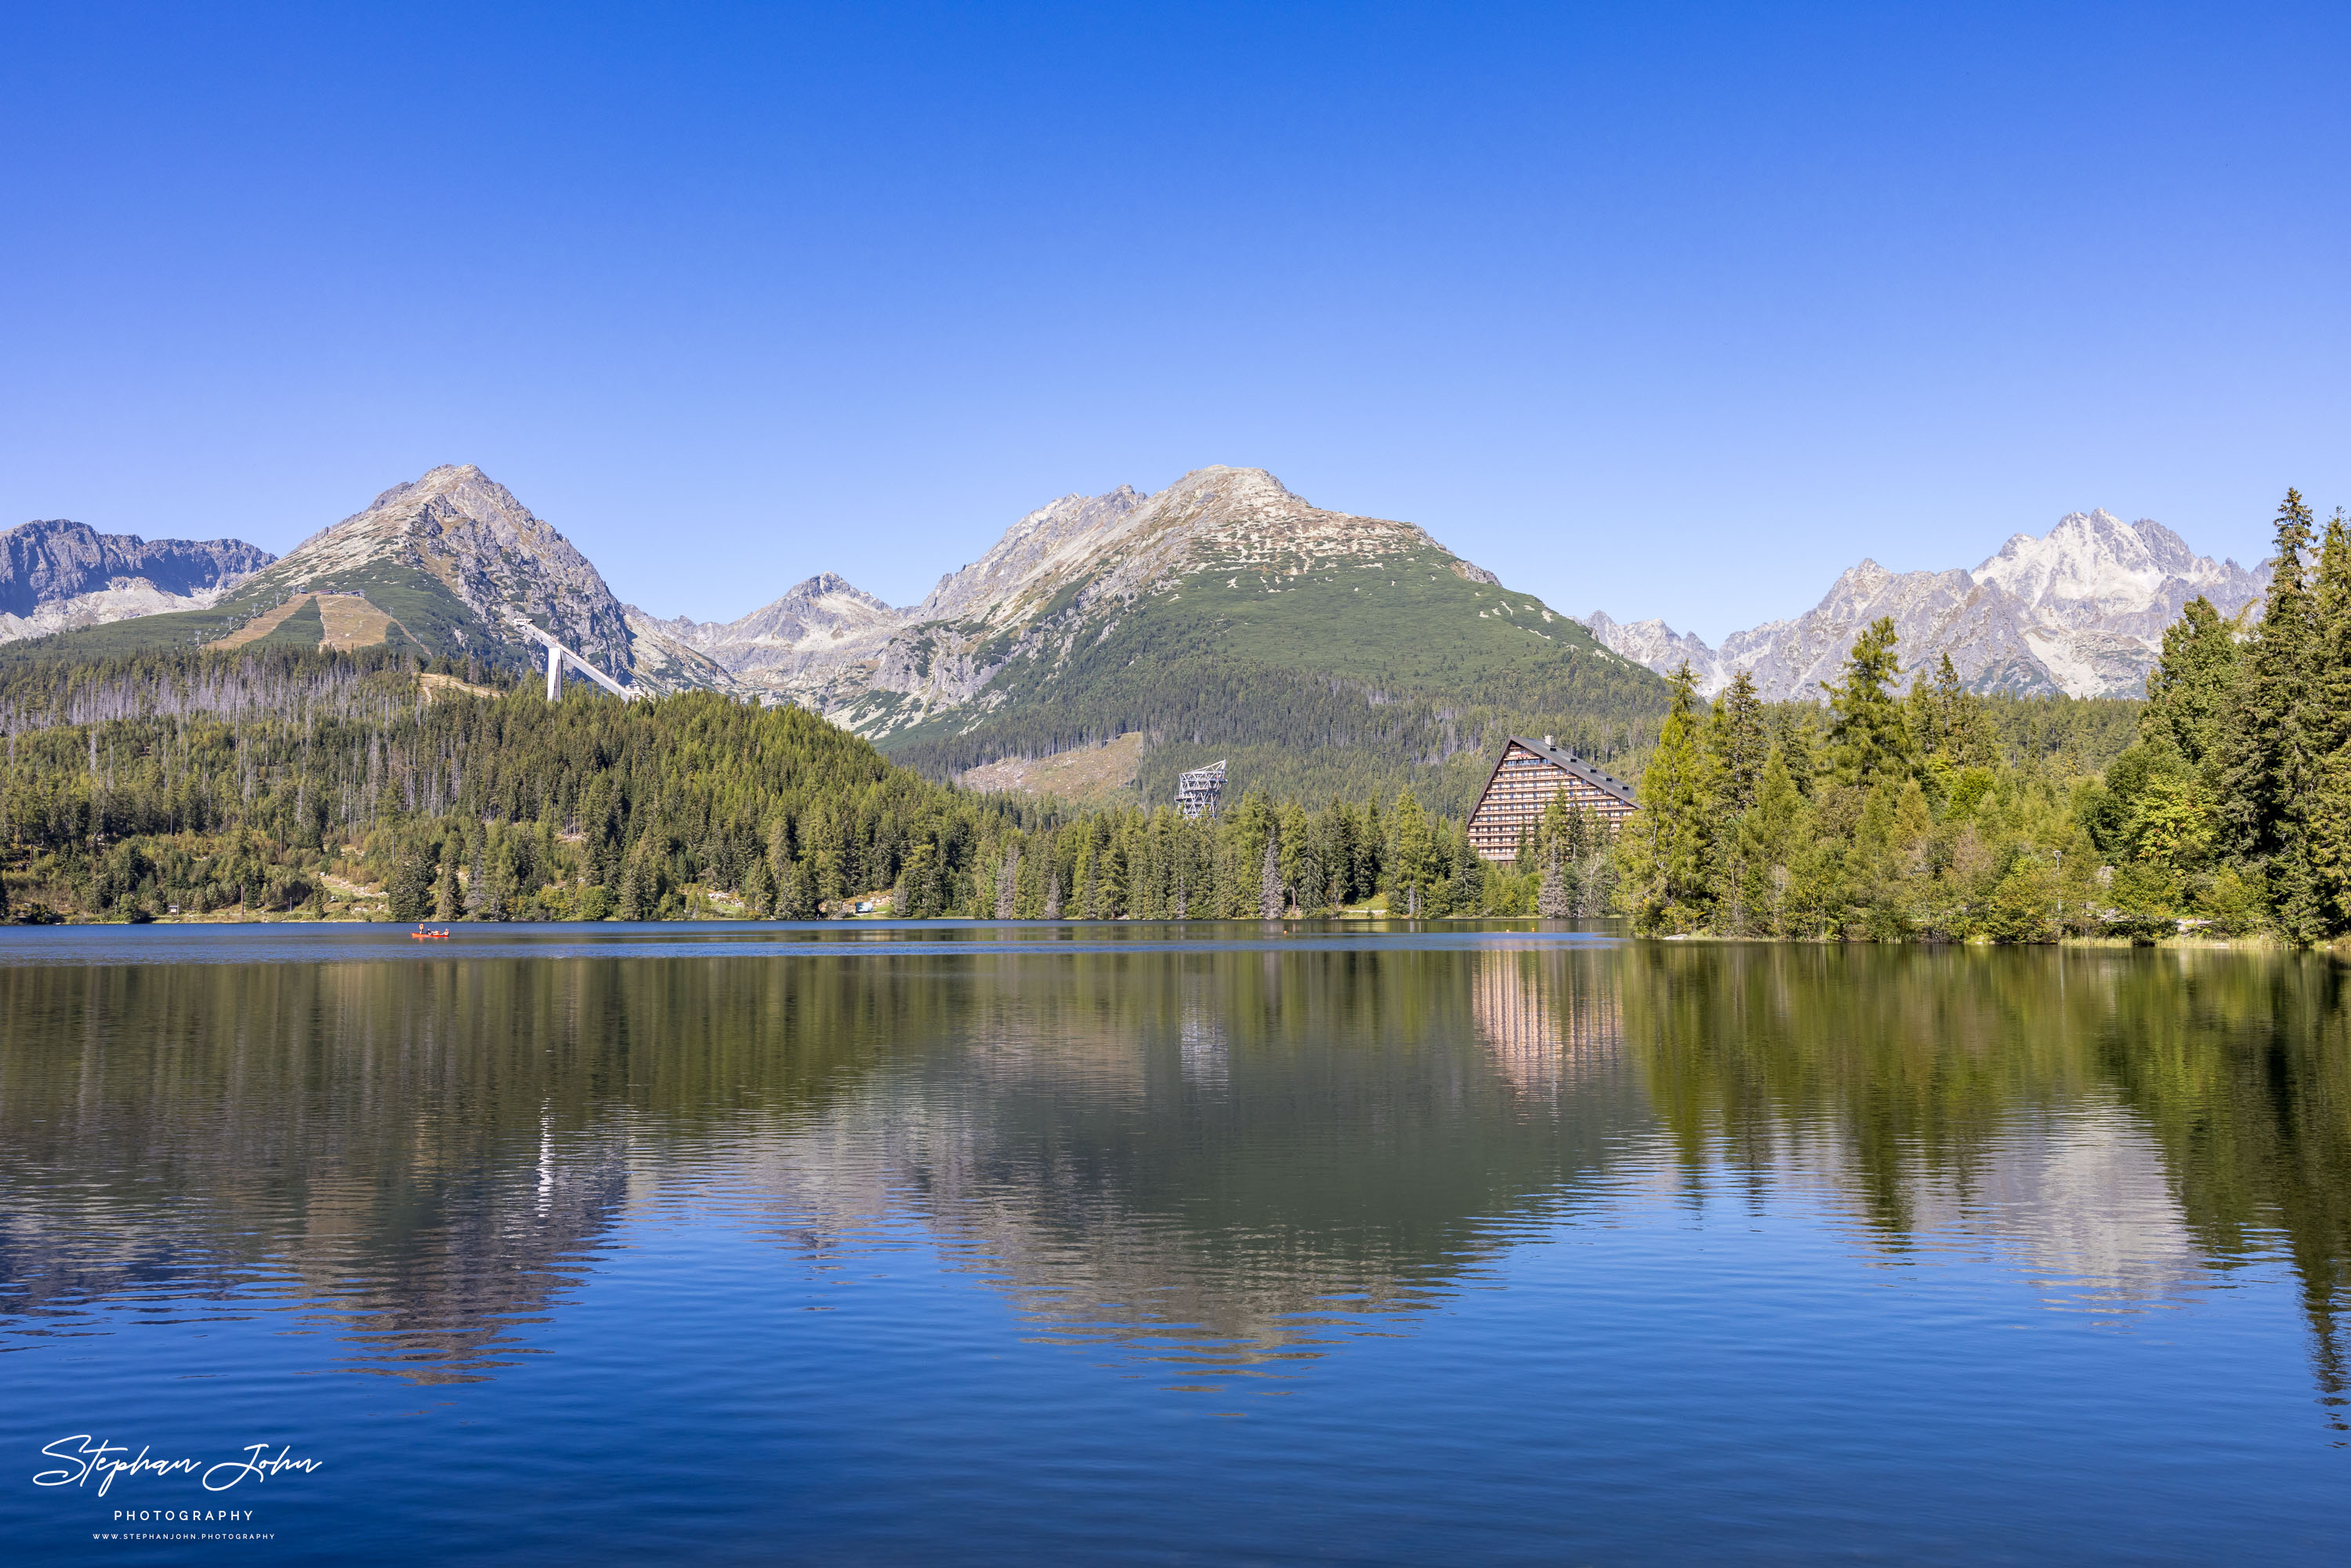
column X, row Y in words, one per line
column 1661, row 309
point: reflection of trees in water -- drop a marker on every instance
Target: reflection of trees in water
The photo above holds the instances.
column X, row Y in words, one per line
column 1204, row 1158
column 2128, row 1120
column 349, row 1136
column 2241, row 1065
column 1201, row 1156
column 425, row 1152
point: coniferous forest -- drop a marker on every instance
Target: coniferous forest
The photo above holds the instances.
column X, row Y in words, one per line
column 289, row 783
column 1937, row 814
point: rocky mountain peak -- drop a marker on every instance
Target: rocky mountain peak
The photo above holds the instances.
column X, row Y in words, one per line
column 465, row 531
column 2091, row 556
column 2079, row 610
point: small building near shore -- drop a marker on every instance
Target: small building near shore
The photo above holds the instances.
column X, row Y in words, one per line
column 1528, row 773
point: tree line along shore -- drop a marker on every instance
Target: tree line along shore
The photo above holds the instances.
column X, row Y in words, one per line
column 302, row 784
column 1893, row 816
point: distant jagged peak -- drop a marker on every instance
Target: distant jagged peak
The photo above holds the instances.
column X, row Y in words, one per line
column 830, row 585
column 2094, row 557
column 2080, row 608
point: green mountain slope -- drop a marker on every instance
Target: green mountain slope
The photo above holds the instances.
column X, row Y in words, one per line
column 1319, row 653
column 447, row 565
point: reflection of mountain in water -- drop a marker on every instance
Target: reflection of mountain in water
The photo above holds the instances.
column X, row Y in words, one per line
column 2123, row 1122
column 347, row 1137
column 1215, row 1159
column 1219, row 1158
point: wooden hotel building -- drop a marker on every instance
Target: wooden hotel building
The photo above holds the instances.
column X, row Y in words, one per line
column 1529, row 774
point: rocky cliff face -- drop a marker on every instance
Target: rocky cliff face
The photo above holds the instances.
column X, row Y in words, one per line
column 57, row 575
column 2080, row 611
column 460, row 531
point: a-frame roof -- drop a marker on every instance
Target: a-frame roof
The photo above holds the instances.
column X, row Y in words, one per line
column 1561, row 758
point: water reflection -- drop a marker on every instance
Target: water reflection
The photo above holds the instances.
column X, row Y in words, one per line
column 1211, row 1164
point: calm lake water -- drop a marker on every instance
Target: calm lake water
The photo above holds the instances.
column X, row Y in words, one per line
column 1171, row 1243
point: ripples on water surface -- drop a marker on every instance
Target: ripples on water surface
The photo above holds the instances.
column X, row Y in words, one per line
column 1009, row 1243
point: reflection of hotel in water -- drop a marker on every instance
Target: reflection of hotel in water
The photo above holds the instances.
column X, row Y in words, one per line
column 1547, row 1019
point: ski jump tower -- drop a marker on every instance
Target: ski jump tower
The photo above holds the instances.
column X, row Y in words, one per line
column 557, row 653
column 1199, row 792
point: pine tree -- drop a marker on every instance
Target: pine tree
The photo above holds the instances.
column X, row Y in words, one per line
column 796, row 891
column 1054, row 895
column 1412, row 855
column 1797, row 739
column 1552, row 899
column 1947, row 721
column 477, row 876
column 1269, row 879
column 758, row 889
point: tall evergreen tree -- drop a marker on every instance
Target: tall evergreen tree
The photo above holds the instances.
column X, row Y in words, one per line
column 2192, row 685
column 1739, row 740
column 1556, row 841
column 2325, row 803
column 1869, row 738
column 1947, row 721
column 410, row 886
column 1669, row 857
column 2268, row 760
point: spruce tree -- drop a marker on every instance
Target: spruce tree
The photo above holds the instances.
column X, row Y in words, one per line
column 1669, row 857
column 1739, row 742
column 2193, row 685
column 447, row 901
column 2268, row 763
column 2324, row 805
column 410, row 886
column 1269, row 879
column 1556, row 839
column 758, row 889
column 1869, row 738
column 1007, row 879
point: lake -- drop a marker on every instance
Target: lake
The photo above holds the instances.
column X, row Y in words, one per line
column 1167, row 1243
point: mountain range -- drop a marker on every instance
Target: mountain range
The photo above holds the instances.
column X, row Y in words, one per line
column 447, row 564
column 57, row 575
column 1223, row 616
column 2080, row 611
